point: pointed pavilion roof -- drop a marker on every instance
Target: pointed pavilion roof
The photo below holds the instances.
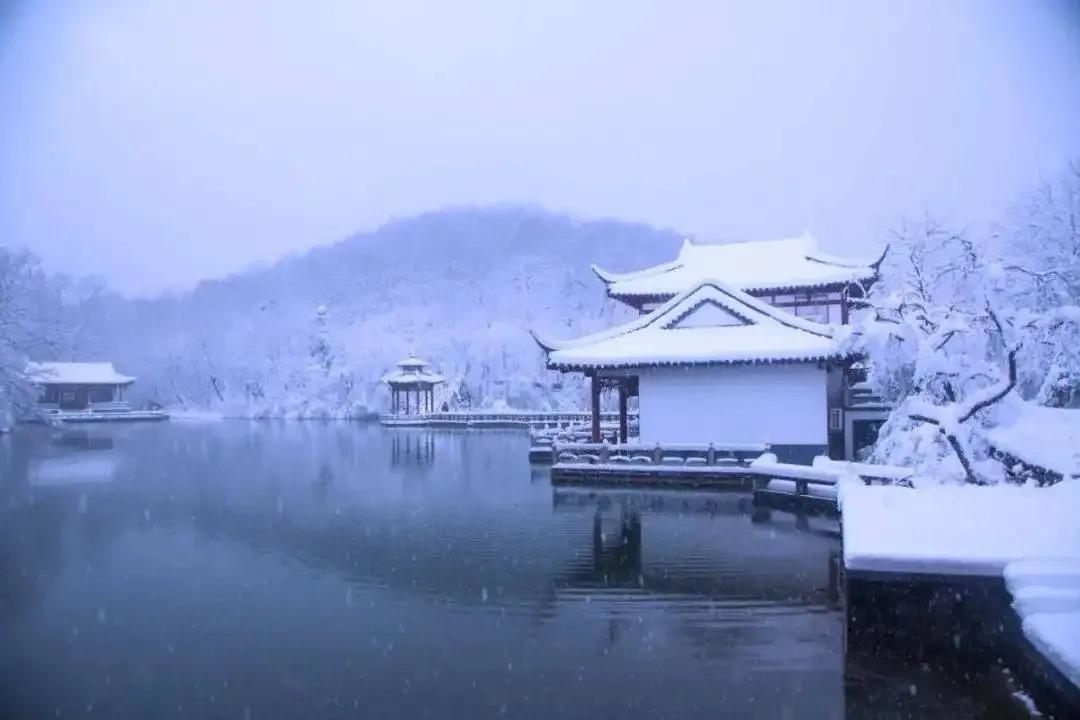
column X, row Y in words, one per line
column 412, row 370
column 712, row 323
column 768, row 265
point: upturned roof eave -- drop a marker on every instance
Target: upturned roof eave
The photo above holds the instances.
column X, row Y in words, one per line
column 582, row 366
column 121, row 380
column 643, row 296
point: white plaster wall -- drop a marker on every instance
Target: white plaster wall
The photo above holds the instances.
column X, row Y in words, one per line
column 780, row 404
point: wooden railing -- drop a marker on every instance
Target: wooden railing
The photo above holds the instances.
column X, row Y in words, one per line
column 670, row 454
column 522, row 418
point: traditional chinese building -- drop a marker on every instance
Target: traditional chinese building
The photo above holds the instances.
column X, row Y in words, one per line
column 69, row 386
column 412, row 387
column 734, row 345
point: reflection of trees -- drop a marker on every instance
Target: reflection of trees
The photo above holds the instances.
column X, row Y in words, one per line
column 39, row 534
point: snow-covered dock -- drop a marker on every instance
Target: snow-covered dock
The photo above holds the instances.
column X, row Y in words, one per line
column 669, row 464
column 103, row 416
column 805, row 489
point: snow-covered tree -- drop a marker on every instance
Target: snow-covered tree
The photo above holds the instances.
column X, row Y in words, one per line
column 31, row 318
column 957, row 323
column 939, row 347
column 1039, row 247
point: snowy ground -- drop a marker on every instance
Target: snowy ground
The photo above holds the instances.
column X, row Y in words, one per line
column 1030, row 535
column 957, row 529
column 195, row 415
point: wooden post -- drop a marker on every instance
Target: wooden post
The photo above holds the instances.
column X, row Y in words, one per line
column 595, row 408
column 624, row 422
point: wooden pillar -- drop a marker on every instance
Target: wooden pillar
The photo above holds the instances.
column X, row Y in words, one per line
column 624, row 422
column 595, row 408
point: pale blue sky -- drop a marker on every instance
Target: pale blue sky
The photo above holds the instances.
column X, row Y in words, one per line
column 157, row 142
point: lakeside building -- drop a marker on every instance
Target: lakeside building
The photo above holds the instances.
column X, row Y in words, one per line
column 734, row 345
column 75, row 386
column 412, row 387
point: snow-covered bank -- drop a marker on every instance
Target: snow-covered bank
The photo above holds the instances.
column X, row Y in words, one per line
column 195, row 416
column 957, row 529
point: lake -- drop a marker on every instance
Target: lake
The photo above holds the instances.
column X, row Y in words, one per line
column 337, row 570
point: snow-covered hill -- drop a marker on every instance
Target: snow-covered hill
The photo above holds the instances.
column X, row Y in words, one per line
column 312, row 334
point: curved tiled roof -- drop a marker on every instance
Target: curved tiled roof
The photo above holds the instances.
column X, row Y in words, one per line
column 711, row 323
column 776, row 265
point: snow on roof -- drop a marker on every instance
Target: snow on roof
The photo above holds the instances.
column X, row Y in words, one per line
column 752, row 266
column 412, row 370
column 711, row 323
column 76, row 373
column 404, row 378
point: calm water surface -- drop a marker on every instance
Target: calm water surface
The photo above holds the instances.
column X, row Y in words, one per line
column 279, row 570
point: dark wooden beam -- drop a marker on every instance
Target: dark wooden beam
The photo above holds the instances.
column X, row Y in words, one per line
column 624, row 423
column 595, row 408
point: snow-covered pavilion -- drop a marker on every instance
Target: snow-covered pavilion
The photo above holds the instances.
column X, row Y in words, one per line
column 790, row 273
column 79, row 385
column 414, row 382
column 713, row 364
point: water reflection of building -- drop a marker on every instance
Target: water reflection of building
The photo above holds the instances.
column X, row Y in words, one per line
column 412, row 448
column 73, row 458
column 792, row 559
column 58, row 497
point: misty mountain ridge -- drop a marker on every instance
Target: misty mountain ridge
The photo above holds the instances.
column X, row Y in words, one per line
column 312, row 334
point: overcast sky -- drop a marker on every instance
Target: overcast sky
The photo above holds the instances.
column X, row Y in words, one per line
column 157, row 142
